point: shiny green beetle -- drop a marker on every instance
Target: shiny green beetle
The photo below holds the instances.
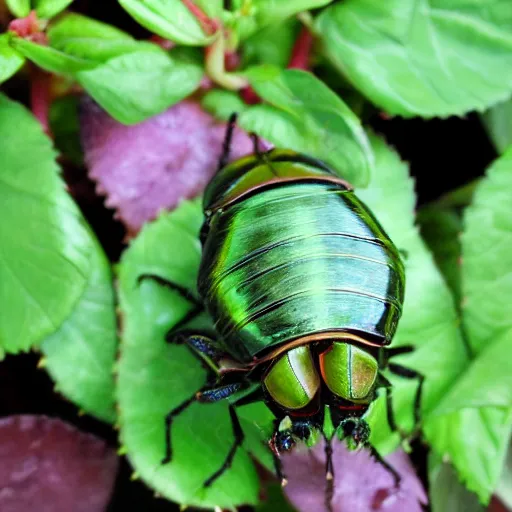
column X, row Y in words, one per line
column 305, row 289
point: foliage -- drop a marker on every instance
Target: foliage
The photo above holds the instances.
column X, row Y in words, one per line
column 143, row 111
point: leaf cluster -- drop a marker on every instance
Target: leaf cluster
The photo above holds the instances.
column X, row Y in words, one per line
column 102, row 333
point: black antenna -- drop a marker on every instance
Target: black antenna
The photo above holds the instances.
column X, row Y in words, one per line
column 226, row 146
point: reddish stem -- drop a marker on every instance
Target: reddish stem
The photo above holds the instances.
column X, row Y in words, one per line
column 208, row 25
column 249, row 95
column 301, row 50
column 299, row 59
column 166, row 44
column 40, row 97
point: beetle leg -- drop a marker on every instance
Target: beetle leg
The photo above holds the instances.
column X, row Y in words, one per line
column 409, row 373
column 198, row 342
column 169, row 420
column 390, row 413
column 184, row 292
column 406, row 373
column 376, row 455
column 221, row 392
column 239, row 439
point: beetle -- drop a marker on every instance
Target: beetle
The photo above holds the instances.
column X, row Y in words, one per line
column 305, row 289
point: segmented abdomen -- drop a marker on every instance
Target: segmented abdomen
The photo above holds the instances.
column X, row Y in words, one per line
column 295, row 260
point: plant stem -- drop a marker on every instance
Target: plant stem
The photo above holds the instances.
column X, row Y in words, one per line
column 208, row 25
column 301, row 50
column 299, row 59
column 215, row 66
column 40, row 97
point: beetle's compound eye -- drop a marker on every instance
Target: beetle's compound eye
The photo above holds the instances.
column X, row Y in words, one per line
column 349, row 372
column 284, row 441
column 293, row 381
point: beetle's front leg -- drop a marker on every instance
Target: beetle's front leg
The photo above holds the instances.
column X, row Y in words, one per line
column 406, row 373
column 198, row 342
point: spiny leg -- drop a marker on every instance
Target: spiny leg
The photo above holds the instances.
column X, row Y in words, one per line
column 198, row 342
column 197, row 309
column 169, row 418
column 206, row 394
column 250, row 398
column 390, row 413
column 376, row 455
column 239, row 439
column 409, row 373
column 184, row 292
column 226, row 146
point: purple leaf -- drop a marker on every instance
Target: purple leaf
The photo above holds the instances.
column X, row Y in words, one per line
column 360, row 483
column 48, row 465
column 153, row 165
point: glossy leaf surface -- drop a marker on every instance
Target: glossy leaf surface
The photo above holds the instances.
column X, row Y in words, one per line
column 422, row 57
column 136, row 86
column 46, row 251
column 169, row 19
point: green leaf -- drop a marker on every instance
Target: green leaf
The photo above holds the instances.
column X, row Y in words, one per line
column 304, row 115
column 88, row 39
column 45, row 259
column 447, row 494
column 49, row 8
column 487, row 382
column 487, row 257
column 20, row 8
column 272, row 45
column 222, row 103
column 155, row 376
column 441, row 229
column 412, row 57
column 429, row 320
column 10, row 59
column 475, row 441
column 473, row 421
column 274, row 11
column 498, row 121
column 80, row 355
column 50, row 59
column 168, row 18
column 136, row 86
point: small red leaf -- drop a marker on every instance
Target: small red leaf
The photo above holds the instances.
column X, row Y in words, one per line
column 360, row 483
column 48, row 465
column 144, row 168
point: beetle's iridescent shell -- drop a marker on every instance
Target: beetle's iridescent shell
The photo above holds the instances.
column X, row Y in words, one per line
column 289, row 251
